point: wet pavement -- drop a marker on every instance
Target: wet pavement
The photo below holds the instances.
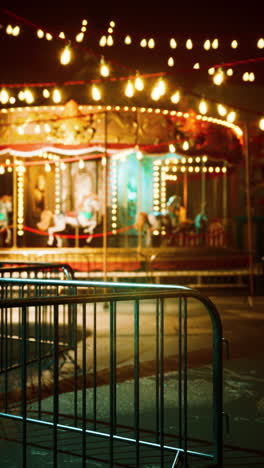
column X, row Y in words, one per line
column 243, row 326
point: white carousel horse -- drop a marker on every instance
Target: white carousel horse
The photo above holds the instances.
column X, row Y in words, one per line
column 5, row 209
column 85, row 218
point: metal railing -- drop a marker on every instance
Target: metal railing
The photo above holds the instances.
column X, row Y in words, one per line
column 48, row 270
column 113, row 323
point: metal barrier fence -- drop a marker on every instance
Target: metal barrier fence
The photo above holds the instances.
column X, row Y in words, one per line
column 48, row 270
column 116, row 329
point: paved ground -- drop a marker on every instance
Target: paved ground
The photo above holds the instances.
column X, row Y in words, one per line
column 243, row 326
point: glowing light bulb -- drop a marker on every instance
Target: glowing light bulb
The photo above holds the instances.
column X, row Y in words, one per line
column 215, row 44
column 221, row 110
column 62, row 35
column 104, row 69
column 112, row 24
column 66, row 56
column 196, row 66
column 171, row 148
column 139, row 83
column 251, row 76
column 21, row 95
column 143, row 43
column 218, row 78
column 109, row 40
column 29, row 98
column 46, row 93
column 40, row 33
column 48, row 37
column 79, row 37
column 185, row 145
column 189, row 44
column 129, row 89
column 16, row 31
column 81, row 164
column 161, row 86
column 151, row 43
column 211, row 71
column 245, row 76
column 234, row 44
column 203, row 107
column 231, row 117
column 155, row 93
column 260, row 43
column 127, row 40
column 207, row 44
column 4, row 96
column 9, row 29
column 175, row 98
column 170, row 61
column 229, row 72
column 261, row 124
column 102, row 41
column 96, row 93
column 173, row 43
column 56, row 96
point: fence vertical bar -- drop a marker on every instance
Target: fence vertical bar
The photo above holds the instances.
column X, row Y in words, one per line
column 185, row 382
column 74, row 343
column 162, row 382
column 136, row 378
column 94, row 366
column 7, row 364
column 56, row 382
column 112, row 387
column 157, row 372
column 180, row 368
column 84, row 385
column 24, row 385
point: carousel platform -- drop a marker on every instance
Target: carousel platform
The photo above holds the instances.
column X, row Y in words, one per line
column 199, row 268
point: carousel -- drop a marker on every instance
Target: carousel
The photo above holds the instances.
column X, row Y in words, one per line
column 106, row 188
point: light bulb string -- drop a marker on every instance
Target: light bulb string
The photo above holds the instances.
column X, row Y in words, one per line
column 99, row 55
column 21, row 19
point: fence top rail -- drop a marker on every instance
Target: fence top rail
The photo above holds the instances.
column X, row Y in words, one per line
column 90, row 284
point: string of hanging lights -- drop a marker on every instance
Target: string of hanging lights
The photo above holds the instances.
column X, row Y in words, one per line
column 133, row 84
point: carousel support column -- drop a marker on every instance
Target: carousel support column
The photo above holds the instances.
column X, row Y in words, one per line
column 139, row 245
column 139, row 194
column 105, row 185
column 14, row 203
column 249, row 219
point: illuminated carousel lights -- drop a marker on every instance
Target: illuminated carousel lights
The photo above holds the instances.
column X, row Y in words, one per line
column 20, row 198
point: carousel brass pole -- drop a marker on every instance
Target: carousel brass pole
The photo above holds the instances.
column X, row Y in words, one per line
column 249, row 218
column 185, row 191
column 225, row 195
column 105, row 184
column 14, row 203
column 203, row 189
column 139, row 194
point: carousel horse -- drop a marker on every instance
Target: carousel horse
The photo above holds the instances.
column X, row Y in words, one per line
column 5, row 209
column 85, row 218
